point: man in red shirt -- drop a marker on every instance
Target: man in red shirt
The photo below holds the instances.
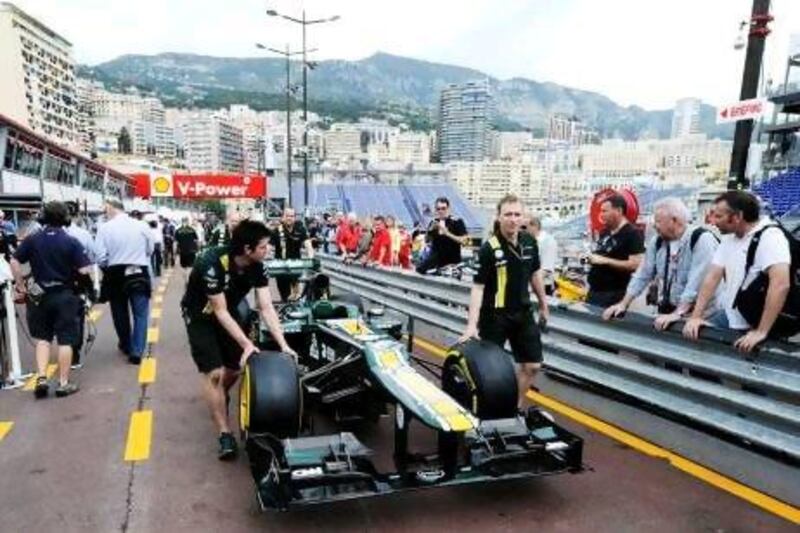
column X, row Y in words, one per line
column 348, row 235
column 381, row 251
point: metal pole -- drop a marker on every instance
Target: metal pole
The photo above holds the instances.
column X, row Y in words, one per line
column 305, row 117
column 12, row 340
column 752, row 67
column 288, row 127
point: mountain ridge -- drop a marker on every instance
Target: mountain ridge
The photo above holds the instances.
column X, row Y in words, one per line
column 381, row 84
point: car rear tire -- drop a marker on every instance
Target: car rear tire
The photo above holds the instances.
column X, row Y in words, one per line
column 480, row 376
column 270, row 400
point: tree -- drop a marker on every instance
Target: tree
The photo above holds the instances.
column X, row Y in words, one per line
column 124, row 141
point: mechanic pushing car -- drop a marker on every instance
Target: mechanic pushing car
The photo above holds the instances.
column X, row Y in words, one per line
column 500, row 305
column 221, row 278
column 288, row 240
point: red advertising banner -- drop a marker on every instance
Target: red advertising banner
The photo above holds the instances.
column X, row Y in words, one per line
column 200, row 186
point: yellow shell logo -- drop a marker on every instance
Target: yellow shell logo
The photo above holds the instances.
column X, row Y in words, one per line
column 161, row 185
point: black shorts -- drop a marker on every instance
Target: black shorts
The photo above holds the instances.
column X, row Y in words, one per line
column 211, row 345
column 58, row 314
column 518, row 328
column 187, row 260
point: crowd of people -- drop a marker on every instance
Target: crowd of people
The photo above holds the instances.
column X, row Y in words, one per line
column 736, row 275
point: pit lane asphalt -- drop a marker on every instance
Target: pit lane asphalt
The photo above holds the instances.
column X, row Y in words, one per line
column 62, row 468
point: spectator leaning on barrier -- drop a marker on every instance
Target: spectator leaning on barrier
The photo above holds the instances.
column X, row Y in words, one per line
column 617, row 254
column 380, row 252
column 58, row 265
column 500, row 307
column 364, row 242
column 548, row 253
column 736, row 214
column 124, row 247
column 677, row 259
column 348, row 234
column 447, row 234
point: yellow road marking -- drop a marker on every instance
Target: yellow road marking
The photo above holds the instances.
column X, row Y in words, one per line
column 155, row 312
column 159, row 299
column 140, row 433
column 759, row 499
column 152, row 335
column 94, row 316
column 31, row 383
column 162, row 289
column 5, row 428
column 147, row 371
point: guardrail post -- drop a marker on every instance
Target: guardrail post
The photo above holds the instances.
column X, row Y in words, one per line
column 410, row 329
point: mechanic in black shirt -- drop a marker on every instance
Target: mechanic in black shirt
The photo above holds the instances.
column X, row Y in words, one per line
column 618, row 253
column 58, row 265
column 500, row 307
column 446, row 234
column 288, row 239
column 221, row 278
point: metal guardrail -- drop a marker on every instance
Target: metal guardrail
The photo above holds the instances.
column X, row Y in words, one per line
column 754, row 397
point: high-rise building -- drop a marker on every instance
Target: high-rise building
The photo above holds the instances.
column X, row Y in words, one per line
column 686, row 117
column 38, row 79
column 570, row 129
column 343, row 142
column 509, row 144
column 213, row 144
column 465, row 122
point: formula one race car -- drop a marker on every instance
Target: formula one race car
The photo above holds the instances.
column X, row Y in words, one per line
column 353, row 366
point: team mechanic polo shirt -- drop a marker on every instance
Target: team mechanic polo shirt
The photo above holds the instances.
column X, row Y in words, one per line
column 505, row 271
column 214, row 272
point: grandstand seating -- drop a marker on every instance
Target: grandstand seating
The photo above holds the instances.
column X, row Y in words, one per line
column 407, row 203
column 781, row 193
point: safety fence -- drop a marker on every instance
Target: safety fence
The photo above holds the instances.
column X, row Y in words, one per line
column 11, row 375
column 753, row 397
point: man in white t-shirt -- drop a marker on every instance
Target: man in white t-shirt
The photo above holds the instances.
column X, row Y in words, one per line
column 736, row 214
column 548, row 252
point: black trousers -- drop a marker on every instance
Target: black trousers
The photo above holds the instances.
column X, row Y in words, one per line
column 78, row 346
column 285, row 286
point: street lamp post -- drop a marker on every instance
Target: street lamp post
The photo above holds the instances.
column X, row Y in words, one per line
column 759, row 20
column 288, row 55
column 303, row 21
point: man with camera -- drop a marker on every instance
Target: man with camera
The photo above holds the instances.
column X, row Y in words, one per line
column 60, row 269
column 617, row 255
column 447, row 234
column 676, row 259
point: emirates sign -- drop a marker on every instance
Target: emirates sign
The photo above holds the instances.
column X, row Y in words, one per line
column 744, row 110
column 200, row 186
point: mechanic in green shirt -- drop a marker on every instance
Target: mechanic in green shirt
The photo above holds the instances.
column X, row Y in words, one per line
column 500, row 306
column 221, row 278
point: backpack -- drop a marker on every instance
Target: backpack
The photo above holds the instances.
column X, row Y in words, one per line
column 696, row 234
column 750, row 301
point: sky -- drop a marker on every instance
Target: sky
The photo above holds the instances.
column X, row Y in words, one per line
column 637, row 52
